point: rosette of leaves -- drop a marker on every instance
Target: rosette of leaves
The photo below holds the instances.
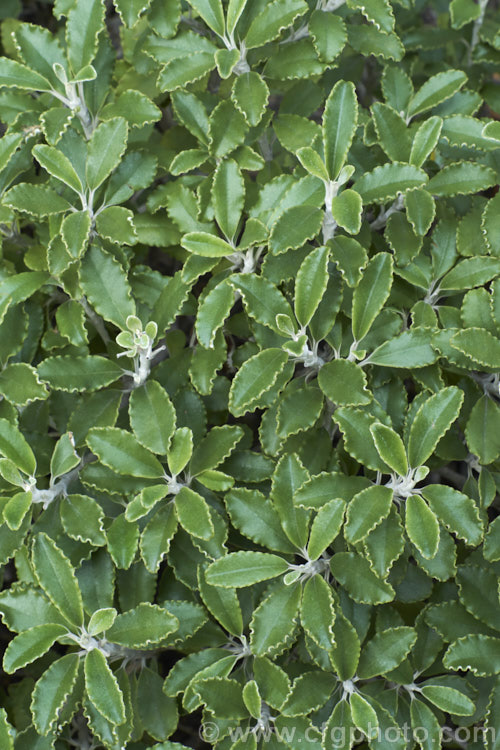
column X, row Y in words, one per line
column 249, row 374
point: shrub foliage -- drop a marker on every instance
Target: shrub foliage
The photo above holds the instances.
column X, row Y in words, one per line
column 250, row 361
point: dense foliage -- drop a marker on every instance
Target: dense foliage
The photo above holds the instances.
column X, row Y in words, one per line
column 250, row 364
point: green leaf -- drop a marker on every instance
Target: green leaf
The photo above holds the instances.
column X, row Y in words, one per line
column 193, row 513
column 385, row 182
column 350, row 257
column 75, row 232
column 390, row 448
column 64, row 458
column 456, row 511
column 228, row 197
column 478, row 653
column 366, row 511
column 212, row 14
column 37, row 200
column 30, row 645
column 470, row 272
column 19, row 287
column 368, row 40
column 276, row 16
column 344, row 383
column 425, row 140
column 101, row 620
column 121, row 451
column 478, row 344
column 223, row 697
column 392, row 132
column 310, row 691
column 256, row 376
column 294, row 227
column 461, row 178
column 364, row 716
column 157, row 536
column 371, row 293
column 122, row 541
column 212, row 311
column 223, row 604
column 274, row 620
column 420, row 210
column 425, row 725
column 312, row 162
column 106, row 287
column 250, row 94
column 422, row 526
column 288, row 476
column 20, row 385
column 180, row 71
column 490, row 225
column 116, row 224
column 241, row 569
column 253, row 514
column 410, row 349
column 206, row 245
column 181, row 450
column 482, row 430
column 187, row 160
column 347, row 209
column 310, row 284
column 58, row 165
column 448, row 699
column 339, row 728
column 85, row 22
column 16, row 510
column 152, row 417
column 463, row 12
column 354, row 573
column 432, row 420
column 130, row 10
column 56, row 576
column 226, row 60
column 317, row 612
column 52, row 690
column 82, row 519
column 385, row 651
column 142, row 626
column 105, row 150
column 67, row 373
column 6, row 736
column 102, row 688
column 328, row 33
column 478, row 590
column 15, row 74
column 339, row 125
column 70, row 318
column 435, row 90
column 227, row 129
column 325, row 527
column 262, row 300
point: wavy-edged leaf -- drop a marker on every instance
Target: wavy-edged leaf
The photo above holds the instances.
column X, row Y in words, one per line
column 70, row 373
column 122, row 452
column 478, row 653
column 361, row 583
column 102, row 688
column 256, row 376
column 52, row 690
column 106, row 286
column 339, row 125
column 385, row 182
column 56, row 576
column 240, row 569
